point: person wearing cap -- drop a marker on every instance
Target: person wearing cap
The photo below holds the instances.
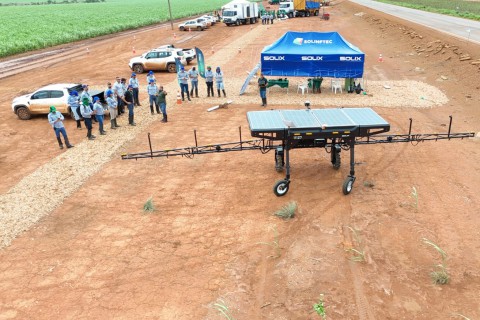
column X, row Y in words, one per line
column 112, row 107
column 134, row 83
column 74, row 104
column 87, row 114
column 99, row 114
column 209, row 81
column 151, row 76
column 86, row 94
column 262, row 86
column 109, row 87
column 183, row 80
column 55, row 118
column 128, row 99
column 162, row 102
column 152, row 91
column 118, row 92
column 219, row 81
column 193, row 74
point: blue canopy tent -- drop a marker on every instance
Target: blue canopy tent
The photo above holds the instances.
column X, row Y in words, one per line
column 312, row 54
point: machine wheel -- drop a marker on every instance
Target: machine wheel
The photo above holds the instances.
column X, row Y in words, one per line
column 348, row 185
column 138, row 68
column 23, row 113
column 278, row 163
column 281, row 188
column 171, row 68
column 337, row 162
column 182, row 29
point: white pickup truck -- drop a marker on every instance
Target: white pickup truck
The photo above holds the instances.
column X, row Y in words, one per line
column 159, row 59
column 40, row 101
column 189, row 54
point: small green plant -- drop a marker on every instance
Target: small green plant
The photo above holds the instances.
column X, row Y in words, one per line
column 222, row 307
column 275, row 244
column 358, row 252
column 149, row 206
column 287, row 211
column 320, row 308
column 414, row 196
column 460, row 315
column 440, row 274
column 369, row 184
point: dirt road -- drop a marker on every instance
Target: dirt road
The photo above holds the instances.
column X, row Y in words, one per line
column 97, row 255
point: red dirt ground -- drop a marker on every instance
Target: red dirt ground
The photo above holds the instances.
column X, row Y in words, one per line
column 99, row 256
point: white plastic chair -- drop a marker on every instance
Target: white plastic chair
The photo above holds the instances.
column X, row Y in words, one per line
column 336, row 84
column 302, row 86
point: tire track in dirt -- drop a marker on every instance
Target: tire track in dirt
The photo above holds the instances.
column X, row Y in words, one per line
column 363, row 306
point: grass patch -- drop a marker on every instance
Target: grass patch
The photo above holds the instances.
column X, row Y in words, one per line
column 439, row 275
column 222, row 308
column 358, row 254
column 275, row 243
column 287, row 211
column 460, row 315
column 463, row 9
column 319, row 307
column 414, row 196
column 149, row 206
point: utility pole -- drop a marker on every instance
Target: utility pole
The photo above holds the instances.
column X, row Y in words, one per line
column 170, row 10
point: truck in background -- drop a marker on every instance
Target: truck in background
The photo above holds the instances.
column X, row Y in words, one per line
column 240, row 12
column 300, row 8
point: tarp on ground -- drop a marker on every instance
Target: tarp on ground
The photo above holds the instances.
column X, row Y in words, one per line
column 312, row 54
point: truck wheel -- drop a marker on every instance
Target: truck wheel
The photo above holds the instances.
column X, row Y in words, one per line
column 290, row 15
column 238, row 23
column 182, row 29
column 307, row 14
column 138, row 68
column 23, row 113
column 171, row 68
column 316, row 13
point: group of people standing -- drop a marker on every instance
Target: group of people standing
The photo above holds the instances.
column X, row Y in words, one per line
column 90, row 109
column 267, row 18
column 192, row 75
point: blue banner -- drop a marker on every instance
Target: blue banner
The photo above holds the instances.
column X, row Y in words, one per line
column 178, row 64
column 200, row 62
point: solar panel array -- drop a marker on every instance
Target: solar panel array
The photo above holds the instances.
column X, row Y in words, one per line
column 275, row 120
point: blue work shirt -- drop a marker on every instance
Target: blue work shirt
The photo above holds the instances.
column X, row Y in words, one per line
column 209, row 76
column 54, row 116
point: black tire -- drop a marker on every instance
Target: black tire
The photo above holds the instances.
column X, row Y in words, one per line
column 171, row 68
column 290, row 15
column 238, row 22
column 316, row 13
column 23, row 113
column 281, row 188
column 348, row 185
column 337, row 163
column 199, row 28
column 182, row 29
column 138, row 68
column 307, row 14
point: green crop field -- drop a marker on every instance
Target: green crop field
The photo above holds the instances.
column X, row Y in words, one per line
column 469, row 9
column 30, row 27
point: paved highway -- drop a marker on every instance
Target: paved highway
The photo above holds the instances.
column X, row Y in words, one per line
column 458, row 27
